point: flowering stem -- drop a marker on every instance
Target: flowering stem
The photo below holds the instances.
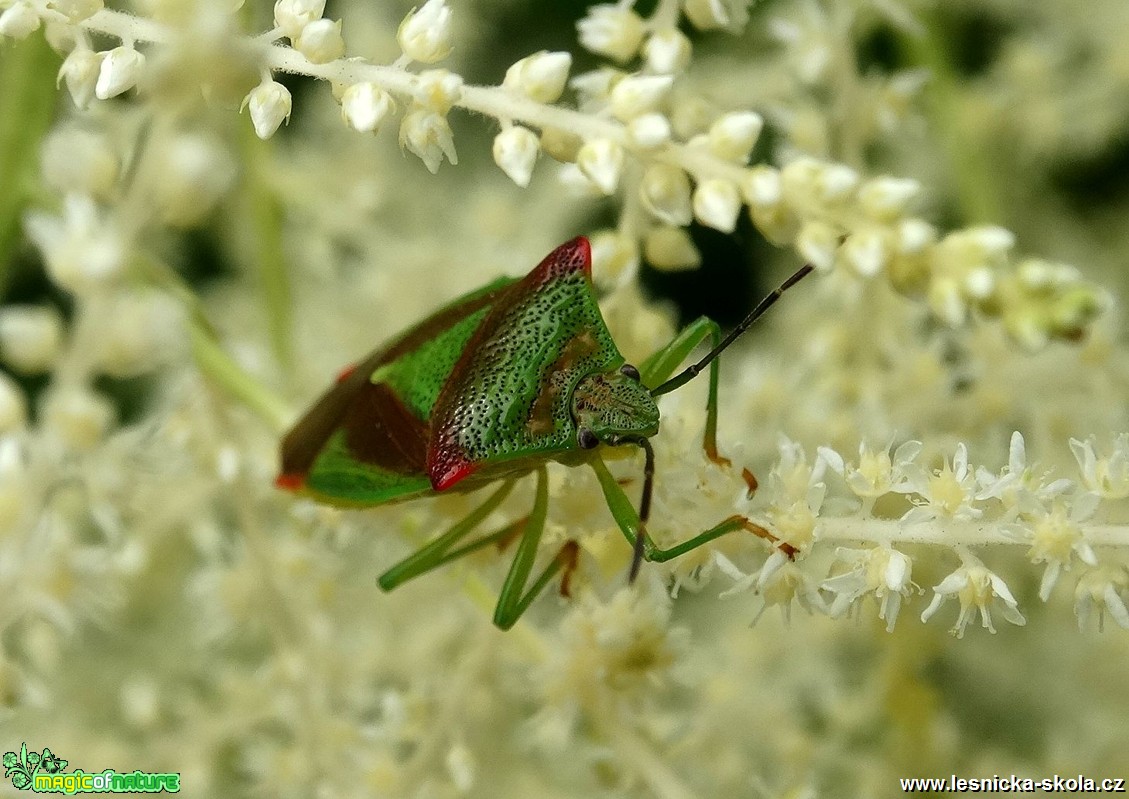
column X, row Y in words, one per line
column 218, row 366
column 949, row 532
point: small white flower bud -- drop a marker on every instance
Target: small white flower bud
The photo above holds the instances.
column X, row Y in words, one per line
column 837, row 182
column 269, row 104
column 293, row 15
column 321, row 41
column 915, row 235
column 761, row 187
column 515, row 151
column 717, row 203
column 665, row 193
column 560, row 145
column 364, row 106
column 867, row 251
column 576, row 183
column 611, row 31
column 885, row 198
column 428, row 135
column 76, row 10
column 594, row 88
column 13, row 405
column 541, row 76
column 733, row 136
column 18, row 21
column 425, row 33
column 83, row 249
column 667, row 51
column 77, row 415
column 144, row 330
column 80, row 72
column 639, row 94
column 614, row 257
column 980, row 283
column 817, row 243
column 995, row 241
column 60, row 36
column 439, row 89
column 118, row 72
column 31, row 337
column 671, row 249
column 601, row 161
column 649, row 131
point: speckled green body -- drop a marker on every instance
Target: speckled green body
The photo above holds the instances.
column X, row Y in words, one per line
column 484, row 388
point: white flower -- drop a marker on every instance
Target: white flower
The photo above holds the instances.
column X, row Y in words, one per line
column 425, row 33
column 77, row 415
column 515, row 151
column 665, row 193
column 717, row 204
column 560, row 145
column 365, row 105
column 293, row 15
column 1056, row 537
column 976, row 588
column 80, row 72
column 119, row 72
column 761, row 186
column 82, row 248
column 601, row 160
column 881, row 571
column 708, row 14
column 733, row 136
column 438, row 89
column 886, row 198
column 817, row 243
column 615, row 257
column 428, row 135
column 639, row 94
column 320, row 41
column 1020, row 488
column 946, row 493
column 30, row 337
column 541, row 76
column 1102, row 588
column 670, row 249
column 197, row 170
column 649, row 131
column 18, row 21
column 779, row 582
column 1108, row 476
column 667, row 51
column 78, row 160
column 612, row 31
column 877, row 472
column 867, row 251
column 269, row 104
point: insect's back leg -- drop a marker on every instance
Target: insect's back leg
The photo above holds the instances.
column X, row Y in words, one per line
column 439, row 551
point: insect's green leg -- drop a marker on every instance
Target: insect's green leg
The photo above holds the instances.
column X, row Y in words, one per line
column 627, row 520
column 662, row 364
column 437, row 552
column 511, row 601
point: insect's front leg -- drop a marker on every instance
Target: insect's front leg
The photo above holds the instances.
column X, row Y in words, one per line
column 627, row 519
column 662, row 364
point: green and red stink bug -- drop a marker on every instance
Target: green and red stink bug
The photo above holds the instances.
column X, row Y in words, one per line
column 489, row 388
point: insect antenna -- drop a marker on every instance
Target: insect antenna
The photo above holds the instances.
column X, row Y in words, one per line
column 644, row 509
column 690, row 372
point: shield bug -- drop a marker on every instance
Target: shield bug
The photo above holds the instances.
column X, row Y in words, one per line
column 485, row 391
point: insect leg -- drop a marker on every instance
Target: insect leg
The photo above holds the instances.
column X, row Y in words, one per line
column 661, row 365
column 437, row 552
column 514, row 598
column 627, row 519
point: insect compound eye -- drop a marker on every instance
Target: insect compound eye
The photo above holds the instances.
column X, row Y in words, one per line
column 586, row 438
column 630, row 371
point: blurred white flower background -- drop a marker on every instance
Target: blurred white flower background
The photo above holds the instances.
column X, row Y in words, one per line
column 207, row 209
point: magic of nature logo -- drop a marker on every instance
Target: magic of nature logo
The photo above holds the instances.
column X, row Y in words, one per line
column 45, row 772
